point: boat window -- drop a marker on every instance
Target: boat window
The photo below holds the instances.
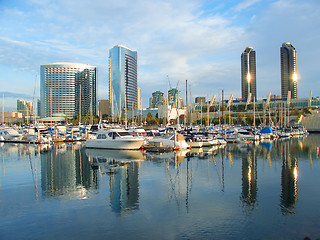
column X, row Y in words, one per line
column 99, row 136
column 123, row 133
column 103, row 136
column 113, row 135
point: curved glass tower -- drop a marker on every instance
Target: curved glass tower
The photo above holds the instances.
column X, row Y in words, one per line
column 67, row 88
column 289, row 80
column 248, row 74
column 123, row 81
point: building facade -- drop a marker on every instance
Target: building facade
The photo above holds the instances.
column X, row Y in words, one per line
column 68, row 88
column 289, row 79
column 25, row 107
column 157, row 99
column 174, row 99
column 123, row 81
column 200, row 100
column 248, row 74
column 139, row 99
column 104, row 108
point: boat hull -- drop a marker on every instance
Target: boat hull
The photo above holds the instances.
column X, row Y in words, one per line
column 125, row 144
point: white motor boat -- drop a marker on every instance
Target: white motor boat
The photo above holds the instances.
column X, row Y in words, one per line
column 115, row 139
column 10, row 134
column 176, row 141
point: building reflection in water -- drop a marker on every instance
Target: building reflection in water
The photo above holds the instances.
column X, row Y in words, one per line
column 289, row 180
column 123, row 170
column 124, row 189
column 66, row 171
column 249, row 180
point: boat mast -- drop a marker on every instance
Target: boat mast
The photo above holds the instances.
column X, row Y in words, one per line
column 254, row 112
column 288, row 105
column 190, row 106
column 80, row 107
column 2, row 108
column 222, row 109
column 34, row 100
column 51, row 104
column 167, row 110
column 201, row 113
column 186, row 114
column 207, row 110
column 91, row 104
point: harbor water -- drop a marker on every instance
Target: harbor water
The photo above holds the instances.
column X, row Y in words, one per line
column 268, row 190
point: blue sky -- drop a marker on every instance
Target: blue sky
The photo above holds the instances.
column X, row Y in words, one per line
column 197, row 40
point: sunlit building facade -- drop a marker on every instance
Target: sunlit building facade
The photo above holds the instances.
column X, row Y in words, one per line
column 248, row 74
column 157, row 99
column 289, row 79
column 68, row 88
column 123, row 82
column 25, row 107
column 174, row 99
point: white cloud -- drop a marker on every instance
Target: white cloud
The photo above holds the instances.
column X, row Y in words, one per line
column 245, row 4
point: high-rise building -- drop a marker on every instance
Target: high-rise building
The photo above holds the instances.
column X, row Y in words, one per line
column 289, row 79
column 68, row 88
column 174, row 99
column 38, row 107
column 25, row 107
column 157, row 99
column 248, row 74
column 123, row 82
column 139, row 98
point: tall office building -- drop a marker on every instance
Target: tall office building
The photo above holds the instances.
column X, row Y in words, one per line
column 139, row 98
column 289, row 80
column 248, row 74
column 157, row 99
column 25, row 107
column 174, row 99
column 68, row 88
column 123, row 82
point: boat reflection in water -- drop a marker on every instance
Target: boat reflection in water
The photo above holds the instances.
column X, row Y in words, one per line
column 123, row 170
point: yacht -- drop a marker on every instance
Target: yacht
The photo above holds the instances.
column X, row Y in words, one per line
column 10, row 134
column 175, row 141
column 114, row 139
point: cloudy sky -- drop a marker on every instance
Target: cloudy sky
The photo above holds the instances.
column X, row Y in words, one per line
column 196, row 40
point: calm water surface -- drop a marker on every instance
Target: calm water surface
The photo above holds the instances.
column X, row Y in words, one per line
column 267, row 191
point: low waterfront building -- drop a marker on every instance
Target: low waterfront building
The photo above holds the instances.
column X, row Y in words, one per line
column 104, row 108
column 200, row 100
column 311, row 122
column 12, row 117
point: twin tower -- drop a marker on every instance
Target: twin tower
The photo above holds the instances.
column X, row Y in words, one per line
column 289, row 79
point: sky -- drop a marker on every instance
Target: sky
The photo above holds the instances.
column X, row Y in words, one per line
column 196, row 40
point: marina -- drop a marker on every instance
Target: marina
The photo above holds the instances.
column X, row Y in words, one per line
column 262, row 190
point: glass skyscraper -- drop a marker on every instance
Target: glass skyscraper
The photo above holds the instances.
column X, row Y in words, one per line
column 289, row 79
column 68, row 88
column 157, row 99
column 248, row 74
column 123, row 82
